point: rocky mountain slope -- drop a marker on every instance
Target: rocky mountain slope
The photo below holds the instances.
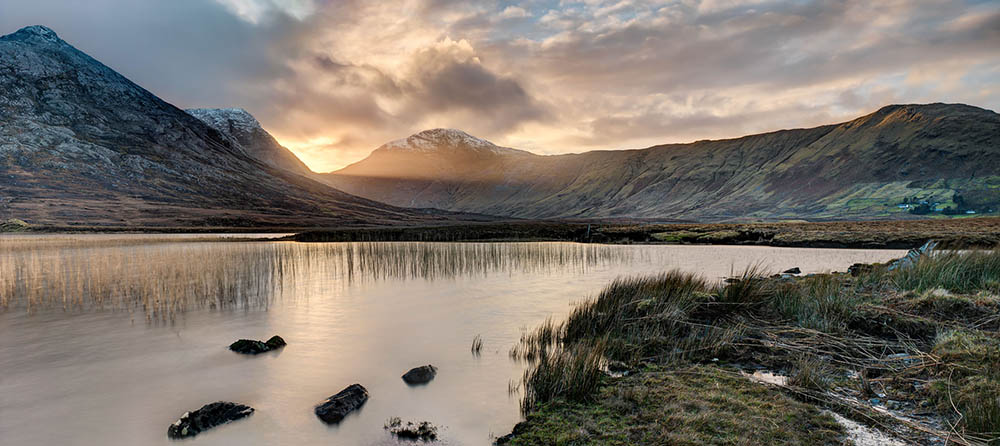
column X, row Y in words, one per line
column 82, row 145
column 947, row 155
column 246, row 132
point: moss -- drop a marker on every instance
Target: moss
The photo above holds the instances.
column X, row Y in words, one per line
column 701, row 405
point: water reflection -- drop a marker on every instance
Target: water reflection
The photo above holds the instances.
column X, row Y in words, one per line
column 351, row 312
column 165, row 277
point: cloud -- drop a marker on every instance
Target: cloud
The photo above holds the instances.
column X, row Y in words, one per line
column 335, row 79
column 448, row 77
column 254, row 11
column 514, row 12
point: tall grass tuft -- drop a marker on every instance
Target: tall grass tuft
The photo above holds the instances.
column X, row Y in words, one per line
column 955, row 271
column 633, row 310
column 749, row 288
column 571, row 372
column 819, row 303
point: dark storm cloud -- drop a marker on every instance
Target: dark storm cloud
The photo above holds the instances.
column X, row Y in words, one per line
column 441, row 80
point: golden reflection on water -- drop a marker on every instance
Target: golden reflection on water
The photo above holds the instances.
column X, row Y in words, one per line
column 160, row 278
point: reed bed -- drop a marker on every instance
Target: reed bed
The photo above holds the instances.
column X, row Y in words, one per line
column 161, row 277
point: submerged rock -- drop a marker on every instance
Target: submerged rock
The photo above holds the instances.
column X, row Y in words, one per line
column 411, row 431
column 253, row 347
column 420, row 375
column 209, row 416
column 344, row 402
column 795, row 270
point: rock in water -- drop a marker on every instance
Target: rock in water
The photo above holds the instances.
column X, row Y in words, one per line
column 253, row 347
column 209, row 416
column 420, row 375
column 795, row 270
column 412, row 431
column 338, row 406
column 275, row 342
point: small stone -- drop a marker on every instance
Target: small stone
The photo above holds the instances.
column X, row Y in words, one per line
column 795, row 270
column 420, row 375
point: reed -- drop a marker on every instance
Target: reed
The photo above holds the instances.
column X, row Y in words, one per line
column 477, row 345
column 163, row 276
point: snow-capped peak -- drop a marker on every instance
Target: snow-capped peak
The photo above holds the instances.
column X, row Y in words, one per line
column 35, row 32
column 436, row 139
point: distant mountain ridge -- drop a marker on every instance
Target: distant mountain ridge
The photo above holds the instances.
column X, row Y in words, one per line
column 864, row 168
column 82, row 145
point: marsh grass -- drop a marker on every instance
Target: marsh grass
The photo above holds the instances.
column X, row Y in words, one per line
column 818, row 327
column 969, row 382
column 955, row 271
column 571, row 372
column 819, row 302
column 663, row 318
column 162, row 277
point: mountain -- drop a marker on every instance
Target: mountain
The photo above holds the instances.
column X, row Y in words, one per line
column 82, row 145
column 433, row 167
column 872, row 167
column 243, row 128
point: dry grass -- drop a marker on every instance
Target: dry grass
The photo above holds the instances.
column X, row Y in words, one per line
column 820, row 327
column 164, row 276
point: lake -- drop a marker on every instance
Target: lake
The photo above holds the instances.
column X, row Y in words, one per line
column 108, row 339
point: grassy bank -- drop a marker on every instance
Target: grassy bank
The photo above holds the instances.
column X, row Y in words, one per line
column 977, row 232
column 911, row 351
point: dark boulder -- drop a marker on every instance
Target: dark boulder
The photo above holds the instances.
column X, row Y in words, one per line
column 209, row 416
column 253, row 347
column 420, row 375
column 795, row 270
column 338, row 406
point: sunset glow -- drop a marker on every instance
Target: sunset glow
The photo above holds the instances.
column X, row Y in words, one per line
column 334, row 80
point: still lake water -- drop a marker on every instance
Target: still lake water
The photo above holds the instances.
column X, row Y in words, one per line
column 107, row 339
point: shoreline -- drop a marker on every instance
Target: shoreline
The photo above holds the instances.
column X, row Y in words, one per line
column 979, row 232
column 907, row 350
column 906, row 234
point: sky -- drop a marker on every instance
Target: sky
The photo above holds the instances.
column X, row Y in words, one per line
column 333, row 80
